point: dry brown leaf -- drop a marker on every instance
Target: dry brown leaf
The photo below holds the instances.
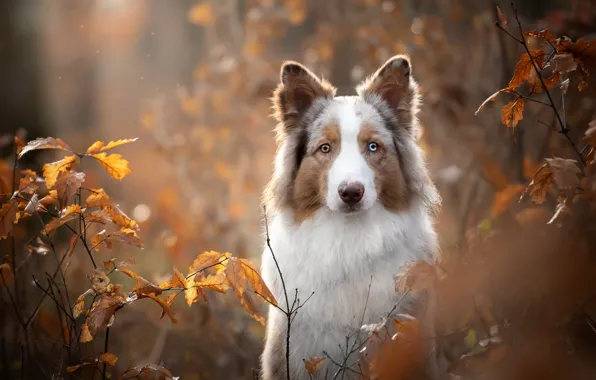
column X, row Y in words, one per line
column 512, row 113
column 256, row 282
column 79, row 306
column 119, row 218
column 504, row 197
column 101, row 314
column 492, row 98
column 164, row 305
column 97, row 216
column 58, row 222
column 44, row 143
column 72, row 209
column 114, row 164
column 416, row 276
column 85, row 334
column 52, row 170
column 100, row 237
column 238, row 280
column 565, row 172
column 67, row 186
column 148, row 372
column 524, row 68
column 33, row 206
column 73, row 368
column 541, row 184
column 313, row 364
column 99, row 146
column 502, row 19
column 108, row 358
column 563, row 63
column 127, row 236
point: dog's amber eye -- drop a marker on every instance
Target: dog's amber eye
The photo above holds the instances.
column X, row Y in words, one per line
column 373, row 147
column 325, row 148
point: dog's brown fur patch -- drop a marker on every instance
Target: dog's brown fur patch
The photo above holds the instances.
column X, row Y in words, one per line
column 310, row 185
column 390, row 183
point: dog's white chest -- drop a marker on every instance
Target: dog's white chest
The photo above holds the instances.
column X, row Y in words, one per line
column 347, row 262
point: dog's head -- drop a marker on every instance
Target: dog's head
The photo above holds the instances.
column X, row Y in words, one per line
column 347, row 153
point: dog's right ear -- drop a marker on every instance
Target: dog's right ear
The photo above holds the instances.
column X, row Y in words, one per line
column 296, row 92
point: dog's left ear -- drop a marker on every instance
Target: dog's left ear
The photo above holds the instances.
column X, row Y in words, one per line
column 393, row 84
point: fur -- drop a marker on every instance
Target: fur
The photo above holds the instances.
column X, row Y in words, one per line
column 324, row 245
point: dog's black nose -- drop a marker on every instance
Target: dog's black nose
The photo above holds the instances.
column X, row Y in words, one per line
column 351, row 193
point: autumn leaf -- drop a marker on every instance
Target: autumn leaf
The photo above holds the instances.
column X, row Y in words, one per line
column 202, row 14
column 416, row 276
column 98, row 197
column 100, row 237
column 44, row 143
column 99, row 146
column 215, row 282
column 512, row 113
column 8, row 216
column 313, row 364
column 28, row 183
column 127, row 236
column 33, row 206
column 492, row 98
column 98, row 216
column 101, row 314
column 504, row 197
column 541, row 183
column 563, row 63
column 119, row 218
column 67, row 186
column 52, row 171
column 50, row 199
column 73, row 368
column 208, row 259
column 108, row 358
column 85, row 334
column 565, row 172
column 114, row 164
column 256, row 282
column 164, row 305
column 151, row 371
column 524, row 68
column 502, row 19
column 79, row 305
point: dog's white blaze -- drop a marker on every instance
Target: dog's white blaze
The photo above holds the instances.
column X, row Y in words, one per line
column 349, row 165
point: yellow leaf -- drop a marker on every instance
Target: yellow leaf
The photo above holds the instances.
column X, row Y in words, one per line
column 313, row 365
column 207, row 260
column 213, row 282
column 79, row 306
column 52, row 170
column 72, row 209
column 58, row 222
column 114, row 164
column 108, row 358
column 257, row 283
column 202, row 14
column 99, row 146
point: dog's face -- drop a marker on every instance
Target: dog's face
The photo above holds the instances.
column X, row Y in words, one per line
column 345, row 153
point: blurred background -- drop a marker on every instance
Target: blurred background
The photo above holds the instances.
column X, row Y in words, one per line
column 192, row 79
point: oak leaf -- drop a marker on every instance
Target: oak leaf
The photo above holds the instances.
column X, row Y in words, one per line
column 512, row 113
column 114, row 164
column 565, row 172
column 99, row 146
column 67, row 186
column 100, row 315
column 52, row 171
column 540, row 184
column 524, row 67
column 44, row 143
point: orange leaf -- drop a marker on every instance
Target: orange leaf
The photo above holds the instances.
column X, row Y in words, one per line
column 85, row 334
column 44, row 143
column 540, row 184
column 257, row 283
column 50, row 199
column 313, row 364
column 114, row 164
column 98, row 197
column 58, row 222
column 8, row 216
column 492, row 98
column 504, row 198
column 108, row 358
column 524, row 68
column 165, row 306
column 512, row 113
column 208, row 259
column 99, row 146
column 52, row 171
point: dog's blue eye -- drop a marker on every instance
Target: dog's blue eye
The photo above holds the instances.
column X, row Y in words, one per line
column 372, row 147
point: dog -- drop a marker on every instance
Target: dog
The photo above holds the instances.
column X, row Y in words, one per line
column 349, row 203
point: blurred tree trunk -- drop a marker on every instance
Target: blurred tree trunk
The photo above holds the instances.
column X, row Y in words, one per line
column 21, row 103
